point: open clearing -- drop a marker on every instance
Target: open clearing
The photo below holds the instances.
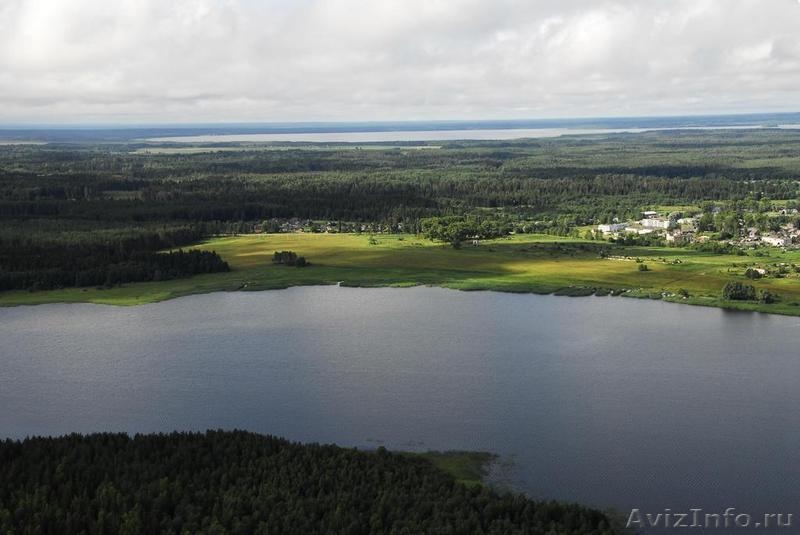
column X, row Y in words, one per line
column 521, row 263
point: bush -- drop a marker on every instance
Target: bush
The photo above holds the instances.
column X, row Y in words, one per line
column 643, row 267
column 767, row 297
column 284, row 257
column 752, row 273
column 289, row 258
column 736, row 291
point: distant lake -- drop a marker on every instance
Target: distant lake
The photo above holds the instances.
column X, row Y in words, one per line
column 5, row 142
column 429, row 135
column 601, row 400
column 386, row 131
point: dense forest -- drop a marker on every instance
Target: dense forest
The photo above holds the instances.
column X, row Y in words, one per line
column 239, row 482
column 107, row 201
column 41, row 261
column 584, row 177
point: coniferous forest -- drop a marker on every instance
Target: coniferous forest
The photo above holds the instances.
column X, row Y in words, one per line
column 242, row 483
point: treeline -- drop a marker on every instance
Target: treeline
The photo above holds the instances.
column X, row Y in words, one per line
column 736, row 155
column 243, row 483
column 37, row 261
column 456, row 229
column 387, row 196
column 590, row 179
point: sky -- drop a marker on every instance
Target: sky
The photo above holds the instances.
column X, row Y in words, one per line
column 157, row 61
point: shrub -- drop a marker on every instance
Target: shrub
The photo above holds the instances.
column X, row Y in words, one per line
column 284, row 257
column 767, row 297
column 289, row 258
column 736, row 291
column 752, row 273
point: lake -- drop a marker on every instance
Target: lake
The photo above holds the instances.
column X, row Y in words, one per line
column 606, row 401
column 431, row 135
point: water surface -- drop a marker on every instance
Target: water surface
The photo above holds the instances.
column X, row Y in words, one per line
column 433, row 135
column 606, row 401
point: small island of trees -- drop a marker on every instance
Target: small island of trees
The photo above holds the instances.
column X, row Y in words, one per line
column 289, row 258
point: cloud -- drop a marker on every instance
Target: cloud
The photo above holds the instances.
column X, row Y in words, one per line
column 278, row 60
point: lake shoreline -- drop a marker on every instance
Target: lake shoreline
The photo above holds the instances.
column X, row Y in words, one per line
column 96, row 297
column 532, row 264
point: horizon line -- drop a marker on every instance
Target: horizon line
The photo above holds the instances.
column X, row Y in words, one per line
column 253, row 124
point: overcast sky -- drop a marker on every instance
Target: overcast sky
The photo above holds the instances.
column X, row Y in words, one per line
column 308, row 60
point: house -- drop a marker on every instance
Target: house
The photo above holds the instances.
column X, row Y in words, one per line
column 677, row 237
column 613, row 227
column 776, row 241
column 657, row 223
column 649, row 214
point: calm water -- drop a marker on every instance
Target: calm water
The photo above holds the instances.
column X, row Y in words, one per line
column 606, row 401
column 393, row 135
column 433, row 135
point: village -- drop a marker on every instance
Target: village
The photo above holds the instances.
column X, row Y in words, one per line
column 678, row 229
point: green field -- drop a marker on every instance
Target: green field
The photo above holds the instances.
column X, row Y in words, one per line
column 521, row 263
column 467, row 467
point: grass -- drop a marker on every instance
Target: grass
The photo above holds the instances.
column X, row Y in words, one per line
column 467, row 467
column 521, row 263
column 685, row 208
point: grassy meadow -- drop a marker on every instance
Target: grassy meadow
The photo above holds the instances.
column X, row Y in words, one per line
column 521, row 263
column 467, row 467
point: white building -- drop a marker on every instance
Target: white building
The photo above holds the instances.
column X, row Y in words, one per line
column 664, row 224
column 776, row 241
column 613, row 227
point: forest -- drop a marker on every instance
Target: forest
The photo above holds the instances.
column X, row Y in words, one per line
column 78, row 214
column 44, row 261
column 240, row 482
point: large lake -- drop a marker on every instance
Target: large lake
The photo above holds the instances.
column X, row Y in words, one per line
column 602, row 400
column 433, row 135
